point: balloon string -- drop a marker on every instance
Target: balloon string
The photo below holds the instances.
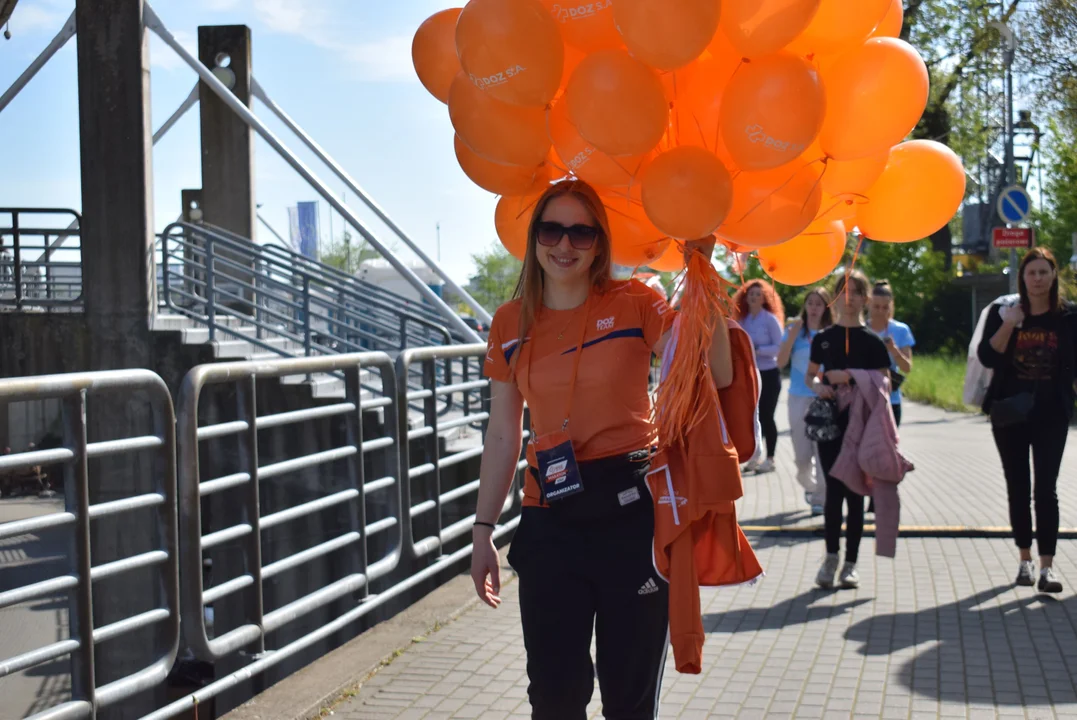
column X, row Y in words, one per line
column 848, row 273
column 817, row 183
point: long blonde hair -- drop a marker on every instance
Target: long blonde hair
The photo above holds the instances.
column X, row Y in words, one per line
column 529, row 285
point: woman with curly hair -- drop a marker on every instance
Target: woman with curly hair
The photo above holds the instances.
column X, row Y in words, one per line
column 759, row 310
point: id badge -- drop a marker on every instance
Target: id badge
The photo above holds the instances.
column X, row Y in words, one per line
column 559, row 475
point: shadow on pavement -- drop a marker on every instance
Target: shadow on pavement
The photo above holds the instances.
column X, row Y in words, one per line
column 798, row 610
column 1018, row 653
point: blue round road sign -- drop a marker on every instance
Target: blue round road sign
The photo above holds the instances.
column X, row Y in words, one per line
column 1014, row 204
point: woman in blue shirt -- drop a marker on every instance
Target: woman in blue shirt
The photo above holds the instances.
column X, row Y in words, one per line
column 760, row 312
column 796, row 346
column 897, row 336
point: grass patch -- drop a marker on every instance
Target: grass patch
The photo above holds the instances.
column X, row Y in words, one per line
column 937, row 380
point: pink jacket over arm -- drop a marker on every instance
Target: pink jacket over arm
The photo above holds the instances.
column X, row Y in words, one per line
column 869, row 462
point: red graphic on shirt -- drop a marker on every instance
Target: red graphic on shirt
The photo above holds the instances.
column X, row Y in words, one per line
column 1035, row 353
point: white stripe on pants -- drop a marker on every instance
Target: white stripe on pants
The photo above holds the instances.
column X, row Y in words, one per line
column 804, row 450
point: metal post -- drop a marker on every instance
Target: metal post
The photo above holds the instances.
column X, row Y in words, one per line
column 353, row 393
column 314, row 147
column 1011, row 175
column 306, row 316
column 154, row 23
column 77, row 494
column 430, row 420
column 247, row 401
column 17, row 257
column 211, row 292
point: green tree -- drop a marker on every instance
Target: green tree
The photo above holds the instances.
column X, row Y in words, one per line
column 496, row 273
column 345, row 254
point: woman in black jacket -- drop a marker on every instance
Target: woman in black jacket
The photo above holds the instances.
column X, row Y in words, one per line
column 1030, row 346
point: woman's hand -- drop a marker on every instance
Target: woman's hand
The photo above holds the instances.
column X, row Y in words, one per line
column 486, row 566
column 795, row 327
column 822, row 389
column 705, row 246
column 838, row 377
column 1012, row 315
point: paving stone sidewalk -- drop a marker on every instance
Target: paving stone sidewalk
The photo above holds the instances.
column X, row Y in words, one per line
column 938, row 632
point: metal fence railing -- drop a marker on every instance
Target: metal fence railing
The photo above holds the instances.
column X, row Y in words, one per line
column 37, row 269
column 77, row 391
column 309, row 536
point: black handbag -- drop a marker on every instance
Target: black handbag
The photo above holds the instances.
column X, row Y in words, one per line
column 1012, row 410
column 896, row 380
column 821, row 421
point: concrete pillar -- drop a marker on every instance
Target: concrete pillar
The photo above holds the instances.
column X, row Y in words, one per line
column 227, row 141
column 119, row 278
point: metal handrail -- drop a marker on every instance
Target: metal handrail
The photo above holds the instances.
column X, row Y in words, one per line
column 75, row 390
column 193, row 487
column 309, row 303
column 34, row 282
column 337, row 276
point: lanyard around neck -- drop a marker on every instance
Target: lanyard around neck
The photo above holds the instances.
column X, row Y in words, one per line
column 575, row 366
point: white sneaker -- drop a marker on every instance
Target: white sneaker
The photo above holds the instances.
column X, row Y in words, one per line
column 849, row 577
column 767, row 466
column 825, row 577
column 751, row 467
column 1026, row 573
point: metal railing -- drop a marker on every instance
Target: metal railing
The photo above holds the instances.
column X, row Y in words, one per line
column 288, row 308
column 35, row 272
column 395, row 500
column 76, row 391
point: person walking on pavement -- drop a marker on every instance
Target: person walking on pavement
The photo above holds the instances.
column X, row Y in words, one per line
column 1031, row 347
column 759, row 310
column 841, row 347
column 897, row 336
column 576, row 346
column 796, row 346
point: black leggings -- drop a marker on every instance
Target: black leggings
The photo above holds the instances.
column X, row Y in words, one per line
column 583, row 576
column 1047, row 440
column 768, row 403
column 837, row 496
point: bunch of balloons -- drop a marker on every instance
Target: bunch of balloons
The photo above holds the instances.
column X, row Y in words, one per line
column 776, row 125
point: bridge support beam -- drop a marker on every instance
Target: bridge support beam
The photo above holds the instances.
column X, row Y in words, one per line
column 227, row 141
column 119, row 289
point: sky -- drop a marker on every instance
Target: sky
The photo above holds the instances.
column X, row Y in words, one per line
column 340, row 68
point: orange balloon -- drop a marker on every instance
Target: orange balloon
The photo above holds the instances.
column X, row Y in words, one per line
column 892, row 22
column 841, row 207
column 495, row 177
column 585, row 160
column 512, row 49
column 687, row 192
column 762, row 27
column 497, row 131
column 586, row 26
column 772, row 111
column 839, row 25
column 918, row 193
column 807, row 258
column 877, row 94
column 697, row 100
column 433, row 53
column 617, row 104
column 853, row 176
column 512, row 218
column 634, row 241
column 672, row 260
column 772, row 206
column 668, row 34
column 849, row 223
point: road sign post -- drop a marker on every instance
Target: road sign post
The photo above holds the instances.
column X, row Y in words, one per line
column 1013, row 207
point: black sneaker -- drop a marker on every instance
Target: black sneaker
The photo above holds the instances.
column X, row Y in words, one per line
column 1026, row 574
column 1049, row 582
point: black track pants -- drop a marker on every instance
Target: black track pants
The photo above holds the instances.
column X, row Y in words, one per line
column 579, row 577
column 768, row 403
column 1047, row 441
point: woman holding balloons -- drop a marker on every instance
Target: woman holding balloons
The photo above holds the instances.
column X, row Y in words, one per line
column 845, row 346
column 759, row 311
column 576, row 346
column 796, row 346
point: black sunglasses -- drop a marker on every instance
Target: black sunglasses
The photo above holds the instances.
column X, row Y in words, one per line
column 581, row 237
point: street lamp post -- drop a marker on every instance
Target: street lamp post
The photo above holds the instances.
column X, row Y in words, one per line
column 1011, row 174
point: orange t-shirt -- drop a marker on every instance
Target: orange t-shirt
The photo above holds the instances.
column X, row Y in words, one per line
column 610, row 407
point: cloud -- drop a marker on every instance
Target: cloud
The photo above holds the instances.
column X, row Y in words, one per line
column 33, row 19
column 162, row 57
column 385, row 60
